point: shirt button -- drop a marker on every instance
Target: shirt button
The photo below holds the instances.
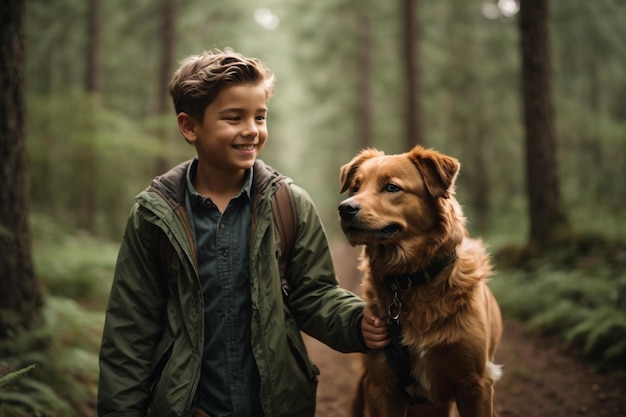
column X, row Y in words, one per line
column 222, row 225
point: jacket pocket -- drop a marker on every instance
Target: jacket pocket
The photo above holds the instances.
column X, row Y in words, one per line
column 164, row 352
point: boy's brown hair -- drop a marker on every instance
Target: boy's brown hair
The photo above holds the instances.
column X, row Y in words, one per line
column 200, row 78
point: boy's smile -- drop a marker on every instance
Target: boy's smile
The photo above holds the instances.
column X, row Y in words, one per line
column 232, row 133
column 234, row 121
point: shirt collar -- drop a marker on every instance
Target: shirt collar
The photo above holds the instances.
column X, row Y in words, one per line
column 198, row 199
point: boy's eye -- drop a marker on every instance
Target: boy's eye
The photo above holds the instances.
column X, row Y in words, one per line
column 260, row 118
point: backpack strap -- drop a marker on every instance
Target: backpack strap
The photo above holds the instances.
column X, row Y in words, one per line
column 284, row 213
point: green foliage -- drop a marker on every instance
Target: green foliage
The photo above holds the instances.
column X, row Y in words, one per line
column 34, row 398
column 76, row 270
column 576, row 292
column 64, row 350
column 12, row 376
column 602, row 331
column 103, row 157
column 73, row 266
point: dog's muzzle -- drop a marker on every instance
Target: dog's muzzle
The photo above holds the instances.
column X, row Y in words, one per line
column 348, row 209
column 359, row 231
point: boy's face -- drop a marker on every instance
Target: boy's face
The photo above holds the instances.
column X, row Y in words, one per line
column 234, row 129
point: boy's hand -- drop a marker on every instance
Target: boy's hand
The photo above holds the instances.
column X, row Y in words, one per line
column 374, row 329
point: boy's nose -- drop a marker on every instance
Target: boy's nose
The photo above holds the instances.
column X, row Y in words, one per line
column 250, row 130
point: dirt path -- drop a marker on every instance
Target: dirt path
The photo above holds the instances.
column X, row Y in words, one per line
column 541, row 378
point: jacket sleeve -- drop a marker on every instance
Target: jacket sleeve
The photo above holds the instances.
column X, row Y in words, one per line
column 133, row 322
column 321, row 307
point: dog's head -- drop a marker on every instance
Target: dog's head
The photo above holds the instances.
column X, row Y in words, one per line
column 404, row 201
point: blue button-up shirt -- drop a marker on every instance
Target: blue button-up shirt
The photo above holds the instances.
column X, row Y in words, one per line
column 229, row 381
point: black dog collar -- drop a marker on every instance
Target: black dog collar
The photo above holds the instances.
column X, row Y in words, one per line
column 430, row 271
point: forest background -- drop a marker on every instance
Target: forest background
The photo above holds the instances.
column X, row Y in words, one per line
column 100, row 126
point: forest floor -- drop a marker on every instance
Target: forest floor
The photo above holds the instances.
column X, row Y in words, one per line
column 542, row 377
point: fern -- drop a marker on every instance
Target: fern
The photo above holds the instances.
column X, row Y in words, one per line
column 20, row 400
column 65, row 351
column 577, row 293
column 11, row 377
column 78, row 267
column 37, row 397
column 561, row 315
column 45, row 395
column 602, row 331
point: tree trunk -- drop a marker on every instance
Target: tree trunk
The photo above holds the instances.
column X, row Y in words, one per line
column 413, row 119
column 168, row 32
column 92, row 75
column 20, row 294
column 480, row 191
column 88, row 157
column 364, row 111
column 548, row 221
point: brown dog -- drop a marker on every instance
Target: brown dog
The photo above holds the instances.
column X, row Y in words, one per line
column 424, row 273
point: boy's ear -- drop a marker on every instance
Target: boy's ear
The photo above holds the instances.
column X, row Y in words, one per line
column 187, row 126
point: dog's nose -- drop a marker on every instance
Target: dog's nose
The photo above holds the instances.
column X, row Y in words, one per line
column 348, row 209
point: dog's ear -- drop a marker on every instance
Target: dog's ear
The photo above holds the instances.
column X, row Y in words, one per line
column 348, row 170
column 439, row 170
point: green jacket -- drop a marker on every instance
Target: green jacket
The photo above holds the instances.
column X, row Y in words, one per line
column 153, row 333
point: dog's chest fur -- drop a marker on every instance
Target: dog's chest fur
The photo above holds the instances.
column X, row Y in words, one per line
column 435, row 317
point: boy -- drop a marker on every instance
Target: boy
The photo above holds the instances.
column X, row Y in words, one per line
column 196, row 324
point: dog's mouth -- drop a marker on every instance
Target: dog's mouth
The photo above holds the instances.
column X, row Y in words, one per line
column 388, row 231
column 357, row 232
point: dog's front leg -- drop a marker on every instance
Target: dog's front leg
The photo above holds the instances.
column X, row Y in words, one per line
column 382, row 398
column 390, row 404
column 475, row 402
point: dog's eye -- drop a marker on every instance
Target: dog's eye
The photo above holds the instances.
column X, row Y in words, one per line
column 354, row 188
column 392, row 188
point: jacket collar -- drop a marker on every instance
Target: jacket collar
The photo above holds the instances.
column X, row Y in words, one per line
column 172, row 184
column 197, row 199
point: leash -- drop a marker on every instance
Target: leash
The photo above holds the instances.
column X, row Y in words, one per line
column 400, row 363
column 398, row 354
